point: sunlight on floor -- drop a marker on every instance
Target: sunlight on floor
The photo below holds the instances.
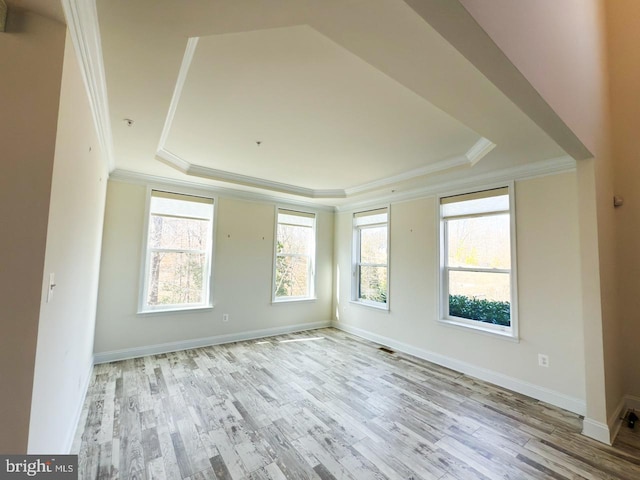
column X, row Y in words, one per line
column 301, row 340
column 263, row 342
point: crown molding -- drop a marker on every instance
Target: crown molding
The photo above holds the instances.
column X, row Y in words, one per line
column 418, row 172
column 256, row 182
column 187, row 168
column 481, row 148
column 173, row 160
column 137, row 178
column 189, row 52
column 82, row 22
column 470, row 158
column 521, row 172
column 473, row 156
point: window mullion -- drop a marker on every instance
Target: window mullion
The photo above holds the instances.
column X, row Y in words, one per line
column 479, row 270
column 176, row 250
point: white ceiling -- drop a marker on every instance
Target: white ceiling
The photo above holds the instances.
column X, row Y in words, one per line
column 351, row 97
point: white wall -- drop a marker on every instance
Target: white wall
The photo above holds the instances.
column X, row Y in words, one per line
column 64, row 352
column 243, row 264
column 549, row 284
column 31, row 52
column 561, row 49
column 624, row 38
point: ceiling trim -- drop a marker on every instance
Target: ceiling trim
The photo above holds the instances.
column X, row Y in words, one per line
column 521, row 172
column 481, row 148
column 189, row 52
column 137, row 178
column 82, row 22
column 187, row 168
column 542, row 168
column 473, row 156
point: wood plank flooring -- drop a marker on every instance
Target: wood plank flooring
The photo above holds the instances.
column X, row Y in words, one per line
column 325, row 405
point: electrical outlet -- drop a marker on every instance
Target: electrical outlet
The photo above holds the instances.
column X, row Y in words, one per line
column 543, row 360
column 225, row 317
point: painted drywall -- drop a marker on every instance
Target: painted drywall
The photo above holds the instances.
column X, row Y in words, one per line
column 31, row 53
column 560, row 47
column 242, row 276
column 64, row 352
column 550, row 309
column 624, row 61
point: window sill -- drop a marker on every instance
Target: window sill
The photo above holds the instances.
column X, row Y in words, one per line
column 293, row 300
column 377, row 306
column 480, row 329
column 168, row 311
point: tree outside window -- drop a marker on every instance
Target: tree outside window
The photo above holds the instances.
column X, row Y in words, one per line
column 178, row 251
column 371, row 257
column 295, row 255
column 477, row 259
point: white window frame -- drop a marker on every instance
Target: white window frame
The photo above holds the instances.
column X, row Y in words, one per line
column 207, row 303
column 355, row 262
column 510, row 332
column 311, row 294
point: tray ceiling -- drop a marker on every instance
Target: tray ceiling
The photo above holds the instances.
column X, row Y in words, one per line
column 345, row 97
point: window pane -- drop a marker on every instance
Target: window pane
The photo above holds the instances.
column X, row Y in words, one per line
column 480, row 296
column 175, row 278
column 479, row 242
column 373, row 284
column 294, row 239
column 292, row 276
column 179, row 233
column 373, row 245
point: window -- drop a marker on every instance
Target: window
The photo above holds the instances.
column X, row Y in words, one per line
column 294, row 256
column 178, row 252
column 371, row 254
column 476, row 255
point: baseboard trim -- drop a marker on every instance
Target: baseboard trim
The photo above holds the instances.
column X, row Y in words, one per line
column 627, row 402
column 614, row 423
column 76, row 419
column 632, row 402
column 575, row 405
column 597, row 431
column 127, row 353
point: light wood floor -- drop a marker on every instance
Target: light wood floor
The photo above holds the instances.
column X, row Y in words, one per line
column 325, row 404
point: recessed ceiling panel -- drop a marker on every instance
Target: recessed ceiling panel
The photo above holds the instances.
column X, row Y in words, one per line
column 290, row 105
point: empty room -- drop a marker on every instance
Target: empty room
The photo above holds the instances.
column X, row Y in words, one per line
column 320, row 239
